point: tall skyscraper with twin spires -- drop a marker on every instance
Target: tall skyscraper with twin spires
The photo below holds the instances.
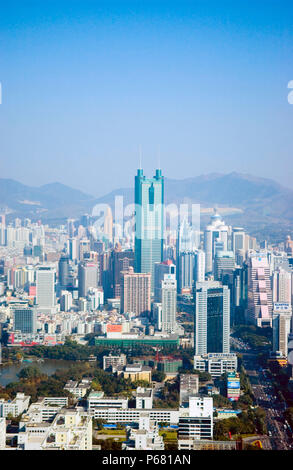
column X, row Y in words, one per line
column 149, row 222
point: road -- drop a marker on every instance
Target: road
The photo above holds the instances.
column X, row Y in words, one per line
column 280, row 436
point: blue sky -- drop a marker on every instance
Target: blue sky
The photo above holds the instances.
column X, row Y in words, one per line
column 200, row 85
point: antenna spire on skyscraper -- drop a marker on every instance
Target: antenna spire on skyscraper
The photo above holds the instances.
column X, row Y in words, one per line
column 140, row 158
column 159, row 158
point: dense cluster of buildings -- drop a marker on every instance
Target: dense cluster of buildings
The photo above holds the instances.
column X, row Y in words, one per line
column 128, row 290
column 52, row 423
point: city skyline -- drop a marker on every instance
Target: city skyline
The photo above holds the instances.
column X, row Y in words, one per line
column 154, row 316
column 176, row 353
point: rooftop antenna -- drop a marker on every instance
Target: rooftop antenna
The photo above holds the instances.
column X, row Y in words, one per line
column 140, row 158
column 159, row 158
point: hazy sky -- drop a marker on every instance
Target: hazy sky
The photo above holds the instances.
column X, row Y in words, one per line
column 202, row 83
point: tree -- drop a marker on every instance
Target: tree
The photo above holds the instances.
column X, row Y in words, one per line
column 95, row 385
column 30, row 372
column 158, row 376
column 220, row 401
column 203, row 376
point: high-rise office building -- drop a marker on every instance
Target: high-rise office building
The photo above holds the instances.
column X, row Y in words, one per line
column 224, row 263
column 105, row 275
column 87, row 277
column 215, row 239
column 187, row 238
column 212, row 318
column 108, row 225
column 98, row 246
column 282, row 286
column 135, row 292
column 149, row 222
column 24, row 319
column 45, row 287
column 63, row 271
column 120, row 261
column 167, row 267
column 278, row 260
column 239, row 295
column 65, row 301
column 73, row 248
column 282, row 315
column 157, row 314
column 169, row 303
column 259, row 302
column 186, row 271
column 84, row 248
column 70, row 227
column 200, row 261
column 238, row 240
column 289, row 246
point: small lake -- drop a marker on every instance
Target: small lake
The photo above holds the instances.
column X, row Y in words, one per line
column 9, row 373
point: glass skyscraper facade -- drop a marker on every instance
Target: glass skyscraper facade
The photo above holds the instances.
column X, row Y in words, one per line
column 149, row 222
column 25, row 319
column 212, row 318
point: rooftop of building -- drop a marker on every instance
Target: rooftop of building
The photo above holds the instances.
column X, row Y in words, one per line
column 143, row 392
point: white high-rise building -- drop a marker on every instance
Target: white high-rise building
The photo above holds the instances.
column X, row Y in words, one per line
column 65, row 301
column 157, row 314
column 87, row 277
column 166, row 267
column 95, row 297
column 186, row 270
column 238, row 240
column 169, row 303
column 73, row 248
column 45, row 282
column 215, row 237
column 282, row 315
column 200, row 266
column 188, row 239
column 282, row 286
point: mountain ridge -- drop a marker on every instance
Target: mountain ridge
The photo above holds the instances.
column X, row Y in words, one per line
column 264, row 203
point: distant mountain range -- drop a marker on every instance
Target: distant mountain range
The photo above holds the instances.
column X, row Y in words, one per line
column 53, row 201
column 264, row 205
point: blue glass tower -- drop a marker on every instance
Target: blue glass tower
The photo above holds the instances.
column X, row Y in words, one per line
column 149, row 222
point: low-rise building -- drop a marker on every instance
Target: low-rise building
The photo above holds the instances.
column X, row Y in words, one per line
column 71, row 429
column 195, row 444
column 132, row 415
column 146, row 437
column 189, row 385
column 80, row 389
column 130, row 340
column 135, row 372
column 216, row 364
column 196, row 422
column 222, row 413
column 144, row 398
column 112, row 362
column 97, row 400
column 14, row 407
column 44, row 410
